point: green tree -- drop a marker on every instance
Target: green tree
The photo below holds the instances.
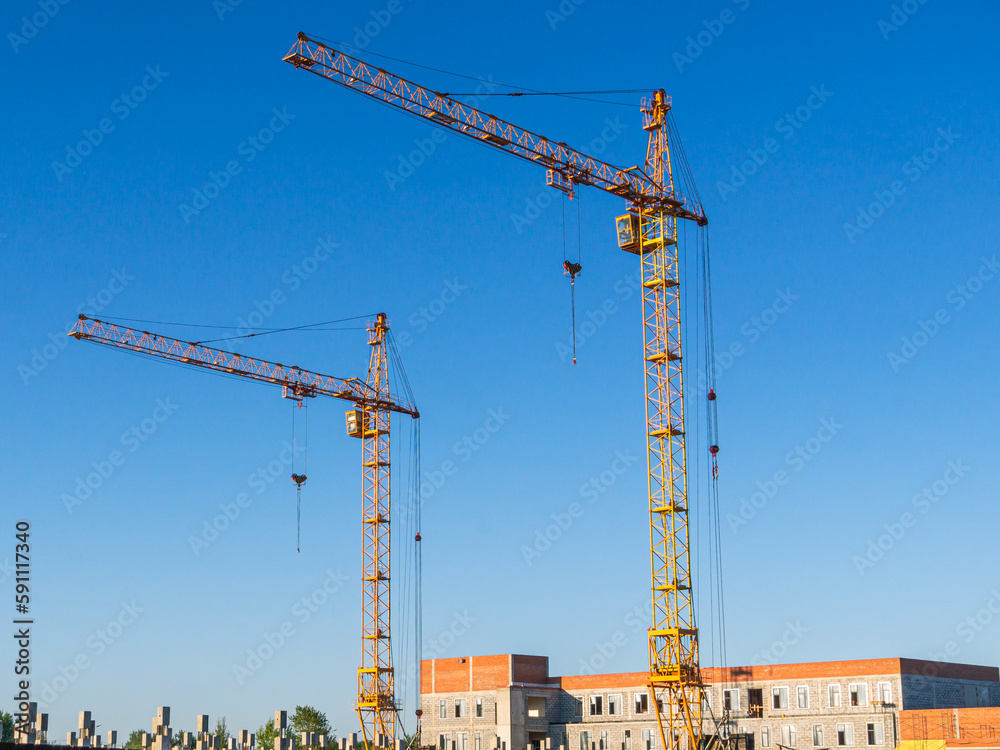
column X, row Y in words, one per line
column 222, row 732
column 265, row 735
column 310, row 719
column 178, row 739
column 134, row 740
column 6, row 727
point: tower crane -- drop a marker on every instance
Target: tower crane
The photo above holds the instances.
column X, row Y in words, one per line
column 648, row 229
column 368, row 421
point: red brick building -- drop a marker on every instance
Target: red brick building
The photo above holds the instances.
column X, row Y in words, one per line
column 510, row 701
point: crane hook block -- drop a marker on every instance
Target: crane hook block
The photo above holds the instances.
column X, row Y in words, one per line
column 713, row 449
column 571, row 269
column 711, row 394
column 299, row 479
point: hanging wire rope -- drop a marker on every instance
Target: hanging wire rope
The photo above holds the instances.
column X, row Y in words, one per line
column 522, row 90
column 408, row 656
column 300, row 479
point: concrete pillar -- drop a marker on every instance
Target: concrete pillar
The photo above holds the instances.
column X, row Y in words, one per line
column 281, row 721
column 354, row 739
column 112, row 738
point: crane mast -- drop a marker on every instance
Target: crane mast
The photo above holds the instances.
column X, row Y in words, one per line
column 370, row 422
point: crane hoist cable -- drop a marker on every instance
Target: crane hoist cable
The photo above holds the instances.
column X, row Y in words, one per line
column 300, row 479
column 572, row 269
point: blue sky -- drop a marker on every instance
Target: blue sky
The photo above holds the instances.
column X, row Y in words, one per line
column 847, row 162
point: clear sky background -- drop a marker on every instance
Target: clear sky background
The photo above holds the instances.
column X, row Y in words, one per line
column 800, row 569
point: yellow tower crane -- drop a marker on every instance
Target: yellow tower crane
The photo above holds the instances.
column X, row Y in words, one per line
column 368, row 421
column 655, row 204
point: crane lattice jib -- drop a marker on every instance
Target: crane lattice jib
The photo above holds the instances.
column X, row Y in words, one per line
column 299, row 382
column 634, row 184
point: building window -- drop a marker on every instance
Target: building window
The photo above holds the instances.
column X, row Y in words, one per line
column 817, row 735
column 463, row 741
column 833, row 695
column 536, row 707
column 477, row 741
column 788, row 735
column 731, row 700
column 845, row 735
column 446, row 741
column 647, row 739
column 584, row 740
column 596, row 705
column 578, row 708
column 802, row 696
column 479, row 708
column 604, row 740
column 443, row 709
column 779, row 697
column 441, row 742
column 614, row 705
column 859, row 694
column 765, row 736
column 876, row 734
column 642, row 703
column 743, row 730
column 885, row 692
column 628, row 739
column 459, row 708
